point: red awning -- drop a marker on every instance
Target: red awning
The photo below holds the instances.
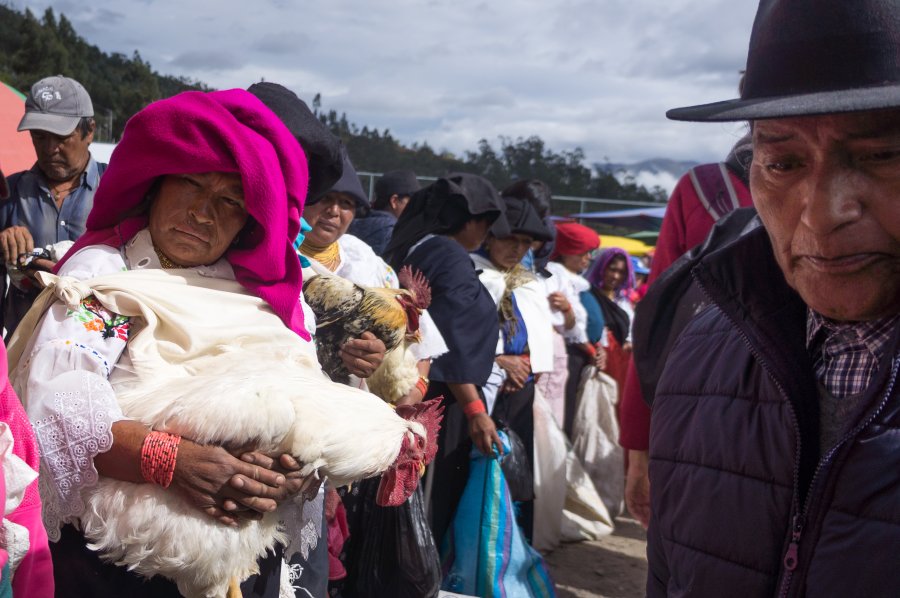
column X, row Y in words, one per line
column 16, row 151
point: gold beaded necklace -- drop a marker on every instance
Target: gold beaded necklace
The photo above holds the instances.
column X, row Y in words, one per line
column 329, row 255
column 164, row 260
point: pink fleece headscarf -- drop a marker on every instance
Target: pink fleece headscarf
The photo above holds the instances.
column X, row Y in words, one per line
column 221, row 131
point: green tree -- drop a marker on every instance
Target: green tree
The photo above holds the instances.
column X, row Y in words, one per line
column 32, row 48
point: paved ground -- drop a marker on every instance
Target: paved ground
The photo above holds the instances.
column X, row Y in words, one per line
column 614, row 567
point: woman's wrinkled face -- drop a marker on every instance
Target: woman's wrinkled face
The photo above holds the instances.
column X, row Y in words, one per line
column 330, row 217
column 195, row 217
column 615, row 274
column 827, row 189
column 506, row 253
column 576, row 263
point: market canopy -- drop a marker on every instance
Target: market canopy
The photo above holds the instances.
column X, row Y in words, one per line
column 647, row 236
column 16, row 151
column 632, row 246
column 638, row 219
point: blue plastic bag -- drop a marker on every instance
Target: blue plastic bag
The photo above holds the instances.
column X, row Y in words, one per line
column 484, row 552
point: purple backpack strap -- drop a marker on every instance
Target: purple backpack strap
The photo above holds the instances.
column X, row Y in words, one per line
column 714, row 188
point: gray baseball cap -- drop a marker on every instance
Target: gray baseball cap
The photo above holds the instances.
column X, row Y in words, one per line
column 56, row 104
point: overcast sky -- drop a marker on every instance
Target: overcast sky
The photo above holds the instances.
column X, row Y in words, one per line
column 598, row 74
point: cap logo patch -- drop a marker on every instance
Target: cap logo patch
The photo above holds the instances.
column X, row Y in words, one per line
column 48, row 94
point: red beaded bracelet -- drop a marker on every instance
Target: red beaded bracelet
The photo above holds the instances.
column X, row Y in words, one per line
column 422, row 386
column 474, row 408
column 158, row 454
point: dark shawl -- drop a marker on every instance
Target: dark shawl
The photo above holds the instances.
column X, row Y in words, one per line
column 617, row 320
column 522, row 219
column 462, row 309
column 348, row 184
column 323, row 149
column 442, row 207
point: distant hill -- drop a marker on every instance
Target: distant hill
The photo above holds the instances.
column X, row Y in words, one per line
column 656, row 172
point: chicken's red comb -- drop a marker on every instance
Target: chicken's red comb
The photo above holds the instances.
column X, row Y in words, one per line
column 401, row 479
column 429, row 414
column 416, row 283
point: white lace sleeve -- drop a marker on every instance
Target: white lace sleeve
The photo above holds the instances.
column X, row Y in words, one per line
column 62, row 381
column 432, row 344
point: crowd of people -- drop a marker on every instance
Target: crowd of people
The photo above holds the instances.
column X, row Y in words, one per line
column 228, row 371
column 503, row 280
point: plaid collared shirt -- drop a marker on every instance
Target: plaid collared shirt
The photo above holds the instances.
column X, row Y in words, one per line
column 846, row 354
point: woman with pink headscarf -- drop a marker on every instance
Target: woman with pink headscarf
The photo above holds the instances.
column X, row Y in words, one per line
column 213, row 183
column 187, row 264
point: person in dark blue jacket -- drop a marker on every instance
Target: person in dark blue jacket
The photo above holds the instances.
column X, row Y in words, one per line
column 774, row 445
column 442, row 224
column 392, row 193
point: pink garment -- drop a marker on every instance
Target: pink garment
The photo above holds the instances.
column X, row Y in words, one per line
column 684, row 226
column 553, row 384
column 34, row 577
column 338, row 532
column 4, row 554
column 222, row 131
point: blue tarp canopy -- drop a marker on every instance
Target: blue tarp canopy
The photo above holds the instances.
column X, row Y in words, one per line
column 639, row 219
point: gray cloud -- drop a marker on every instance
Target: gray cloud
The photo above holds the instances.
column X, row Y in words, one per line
column 285, row 42
column 599, row 75
column 206, row 60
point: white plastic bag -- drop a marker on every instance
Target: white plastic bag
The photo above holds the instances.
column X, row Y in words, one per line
column 549, row 476
column 596, row 437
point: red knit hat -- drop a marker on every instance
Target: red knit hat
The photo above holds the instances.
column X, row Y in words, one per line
column 574, row 239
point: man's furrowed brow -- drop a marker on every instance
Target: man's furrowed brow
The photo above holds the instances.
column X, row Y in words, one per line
column 762, row 137
column 879, row 130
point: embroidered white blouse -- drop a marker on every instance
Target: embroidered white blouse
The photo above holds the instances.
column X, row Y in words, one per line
column 571, row 285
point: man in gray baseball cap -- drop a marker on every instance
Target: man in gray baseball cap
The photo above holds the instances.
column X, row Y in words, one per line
column 56, row 105
column 49, row 203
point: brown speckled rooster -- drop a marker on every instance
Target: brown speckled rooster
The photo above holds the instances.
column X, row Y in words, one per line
column 345, row 310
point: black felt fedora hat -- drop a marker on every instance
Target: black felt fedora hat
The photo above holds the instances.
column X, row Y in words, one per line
column 811, row 57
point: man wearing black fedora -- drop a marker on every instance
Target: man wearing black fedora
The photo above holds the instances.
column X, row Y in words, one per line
column 775, row 436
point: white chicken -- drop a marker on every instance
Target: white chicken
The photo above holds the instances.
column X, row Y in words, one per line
column 253, row 383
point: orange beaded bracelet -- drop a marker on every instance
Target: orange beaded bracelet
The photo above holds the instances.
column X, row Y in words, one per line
column 474, row 408
column 422, row 386
column 158, row 454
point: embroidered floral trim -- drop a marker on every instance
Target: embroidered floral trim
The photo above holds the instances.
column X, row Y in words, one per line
column 97, row 318
column 302, row 525
column 290, row 576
